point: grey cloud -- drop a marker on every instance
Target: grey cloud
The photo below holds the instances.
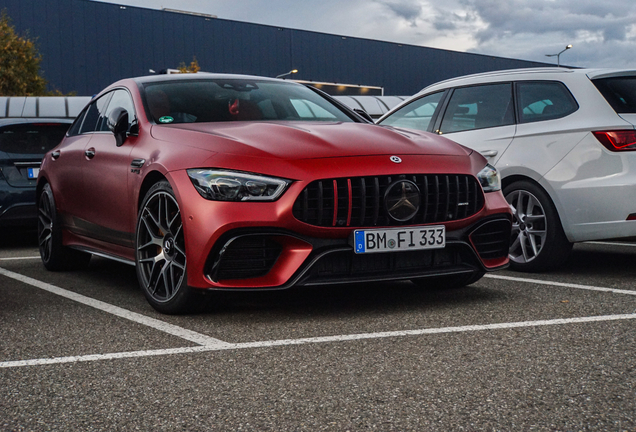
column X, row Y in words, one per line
column 568, row 17
column 408, row 10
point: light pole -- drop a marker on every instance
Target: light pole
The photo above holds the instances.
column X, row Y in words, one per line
column 293, row 71
column 558, row 55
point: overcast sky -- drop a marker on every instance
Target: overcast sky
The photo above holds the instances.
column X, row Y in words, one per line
column 603, row 33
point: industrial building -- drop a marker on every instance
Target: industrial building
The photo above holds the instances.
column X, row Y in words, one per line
column 86, row 45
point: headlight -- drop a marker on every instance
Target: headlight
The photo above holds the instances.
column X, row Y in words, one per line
column 223, row 185
column 489, row 179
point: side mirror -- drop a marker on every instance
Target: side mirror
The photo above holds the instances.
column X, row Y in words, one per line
column 362, row 113
column 118, row 125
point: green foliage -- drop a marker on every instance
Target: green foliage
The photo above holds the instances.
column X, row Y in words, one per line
column 19, row 63
column 193, row 68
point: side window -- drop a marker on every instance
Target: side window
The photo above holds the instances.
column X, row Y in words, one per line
column 544, row 100
column 93, row 114
column 120, row 98
column 415, row 115
column 77, row 124
column 479, row 107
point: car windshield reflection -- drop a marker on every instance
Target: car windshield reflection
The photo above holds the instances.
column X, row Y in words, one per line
column 226, row 100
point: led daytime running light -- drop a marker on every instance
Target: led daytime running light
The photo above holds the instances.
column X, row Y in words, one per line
column 224, row 185
column 489, row 179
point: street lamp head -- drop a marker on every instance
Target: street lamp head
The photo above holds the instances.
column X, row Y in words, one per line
column 293, row 71
column 568, row 47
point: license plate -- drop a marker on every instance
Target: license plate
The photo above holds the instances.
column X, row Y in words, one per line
column 399, row 239
column 33, row 172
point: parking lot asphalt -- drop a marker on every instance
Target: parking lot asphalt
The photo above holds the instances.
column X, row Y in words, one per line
column 515, row 351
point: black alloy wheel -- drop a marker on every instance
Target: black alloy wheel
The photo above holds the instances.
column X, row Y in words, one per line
column 160, row 251
column 55, row 256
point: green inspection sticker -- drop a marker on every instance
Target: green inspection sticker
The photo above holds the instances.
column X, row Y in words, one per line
column 166, row 119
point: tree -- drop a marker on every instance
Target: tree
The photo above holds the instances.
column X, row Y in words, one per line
column 193, row 68
column 19, row 63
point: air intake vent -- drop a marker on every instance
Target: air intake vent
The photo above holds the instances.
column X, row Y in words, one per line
column 247, row 257
column 492, row 239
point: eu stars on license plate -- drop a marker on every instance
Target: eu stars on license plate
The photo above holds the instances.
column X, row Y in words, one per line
column 400, row 239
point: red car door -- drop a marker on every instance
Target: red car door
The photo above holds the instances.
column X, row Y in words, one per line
column 108, row 209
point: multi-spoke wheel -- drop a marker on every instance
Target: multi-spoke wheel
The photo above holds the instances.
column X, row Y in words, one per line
column 537, row 242
column 161, row 257
column 54, row 255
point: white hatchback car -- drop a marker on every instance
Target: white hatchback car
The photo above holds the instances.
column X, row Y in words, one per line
column 563, row 141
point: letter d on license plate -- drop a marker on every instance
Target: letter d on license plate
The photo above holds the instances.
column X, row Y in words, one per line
column 399, row 239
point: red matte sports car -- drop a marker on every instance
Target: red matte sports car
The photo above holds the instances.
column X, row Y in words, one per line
column 228, row 182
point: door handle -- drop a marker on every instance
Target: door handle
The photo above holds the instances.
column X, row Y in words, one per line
column 489, row 153
column 90, row 153
column 55, row 154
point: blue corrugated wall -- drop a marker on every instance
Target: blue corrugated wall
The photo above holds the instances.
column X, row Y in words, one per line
column 86, row 45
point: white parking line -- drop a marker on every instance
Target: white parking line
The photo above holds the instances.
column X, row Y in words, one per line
column 156, row 324
column 208, row 343
column 20, row 258
column 562, row 284
column 312, row 340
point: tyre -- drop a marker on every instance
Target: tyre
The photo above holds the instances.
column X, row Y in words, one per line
column 450, row 281
column 160, row 252
column 538, row 242
column 55, row 256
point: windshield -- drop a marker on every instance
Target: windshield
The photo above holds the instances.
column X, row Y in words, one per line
column 221, row 100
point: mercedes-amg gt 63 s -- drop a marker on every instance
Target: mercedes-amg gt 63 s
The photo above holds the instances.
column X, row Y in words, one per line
column 227, row 182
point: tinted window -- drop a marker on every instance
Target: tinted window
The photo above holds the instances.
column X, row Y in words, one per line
column 119, row 99
column 204, row 100
column 77, row 124
column 544, row 101
column 620, row 93
column 479, row 107
column 94, row 114
column 37, row 138
column 415, row 115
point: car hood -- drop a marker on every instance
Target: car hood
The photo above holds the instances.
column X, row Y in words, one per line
column 305, row 140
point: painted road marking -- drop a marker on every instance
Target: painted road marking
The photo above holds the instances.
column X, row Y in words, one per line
column 20, row 258
column 156, row 324
column 562, row 284
column 208, row 343
column 312, row 340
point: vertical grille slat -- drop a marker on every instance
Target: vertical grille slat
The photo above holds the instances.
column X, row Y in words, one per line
column 359, row 201
column 335, row 203
column 436, row 195
column 363, row 200
column 321, row 197
column 376, row 200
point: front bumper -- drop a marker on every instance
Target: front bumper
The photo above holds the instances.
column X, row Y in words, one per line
column 247, row 245
column 277, row 259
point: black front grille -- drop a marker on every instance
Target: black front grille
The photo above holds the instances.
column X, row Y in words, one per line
column 359, row 201
column 246, row 257
column 492, row 239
